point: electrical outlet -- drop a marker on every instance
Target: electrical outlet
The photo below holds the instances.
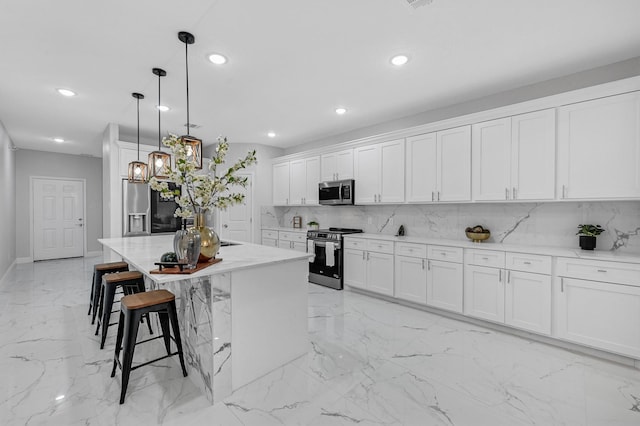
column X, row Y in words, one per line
column 369, row 220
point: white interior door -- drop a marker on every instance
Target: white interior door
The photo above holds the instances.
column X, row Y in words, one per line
column 236, row 221
column 58, row 218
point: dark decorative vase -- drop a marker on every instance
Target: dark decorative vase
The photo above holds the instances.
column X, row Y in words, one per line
column 587, row 242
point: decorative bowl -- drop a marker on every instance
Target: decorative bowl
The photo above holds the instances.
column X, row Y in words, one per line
column 478, row 237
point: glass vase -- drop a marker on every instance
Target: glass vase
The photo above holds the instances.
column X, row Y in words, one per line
column 186, row 245
column 209, row 241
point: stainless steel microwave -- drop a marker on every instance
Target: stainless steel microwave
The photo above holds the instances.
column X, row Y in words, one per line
column 337, row 192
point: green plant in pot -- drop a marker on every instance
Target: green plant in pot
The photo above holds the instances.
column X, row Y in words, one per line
column 588, row 234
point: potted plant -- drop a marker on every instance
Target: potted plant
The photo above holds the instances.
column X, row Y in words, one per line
column 313, row 224
column 588, row 234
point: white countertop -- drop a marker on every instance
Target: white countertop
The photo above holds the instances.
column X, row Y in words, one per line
column 143, row 252
column 543, row 250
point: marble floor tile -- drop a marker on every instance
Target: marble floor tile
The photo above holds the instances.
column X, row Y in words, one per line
column 370, row 362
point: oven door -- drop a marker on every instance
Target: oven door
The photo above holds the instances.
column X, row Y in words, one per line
column 320, row 266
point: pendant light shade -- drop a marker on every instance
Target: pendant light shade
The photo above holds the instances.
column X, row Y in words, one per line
column 192, row 144
column 137, row 169
column 159, row 161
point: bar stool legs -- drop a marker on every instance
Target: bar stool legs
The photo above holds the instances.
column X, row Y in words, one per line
column 132, row 308
column 98, row 271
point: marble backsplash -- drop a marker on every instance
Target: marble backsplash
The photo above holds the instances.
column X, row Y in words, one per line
column 540, row 224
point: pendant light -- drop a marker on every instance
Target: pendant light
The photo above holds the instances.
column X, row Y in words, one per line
column 193, row 145
column 159, row 161
column 138, row 169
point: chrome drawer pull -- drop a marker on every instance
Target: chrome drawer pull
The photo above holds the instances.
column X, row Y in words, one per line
column 527, row 263
column 602, row 270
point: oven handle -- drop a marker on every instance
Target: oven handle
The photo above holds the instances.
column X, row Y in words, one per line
column 324, row 244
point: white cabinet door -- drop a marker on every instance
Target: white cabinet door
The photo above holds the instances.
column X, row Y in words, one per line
column 269, row 242
column 422, row 168
column 454, row 160
column 533, row 155
column 312, row 179
column 281, row 184
column 411, row 279
column 392, row 172
column 599, row 148
column 445, row 285
column 599, row 314
column 297, row 246
column 127, row 156
column 484, row 293
column 380, row 273
column 344, row 164
column 337, row 165
column 355, row 268
column 491, row 159
column 528, row 301
column 297, row 181
column 366, row 167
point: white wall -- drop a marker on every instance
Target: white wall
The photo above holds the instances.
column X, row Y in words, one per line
column 262, row 185
column 8, row 201
column 47, row 164
column 592, row 77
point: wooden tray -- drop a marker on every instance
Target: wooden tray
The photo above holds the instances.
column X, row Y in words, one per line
column 176, row 270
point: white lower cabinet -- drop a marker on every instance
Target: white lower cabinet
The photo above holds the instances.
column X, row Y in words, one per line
column 483, row 293
column 411, row 279
column 600, row 314
column 528, row 301
column 445, row 285
column 369, row 265
column 518, row 298
column 293, row 240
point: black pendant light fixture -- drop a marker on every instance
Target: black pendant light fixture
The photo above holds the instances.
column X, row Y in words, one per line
column 159, row 161
column 193, row 145
column 138, row 169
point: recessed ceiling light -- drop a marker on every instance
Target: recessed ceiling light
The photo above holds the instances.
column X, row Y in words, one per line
column 271, row 134
column 59, row 140
column 399, row 60
column 217, row 59
column 66, row 92
column 341, row 110
column 163, row 108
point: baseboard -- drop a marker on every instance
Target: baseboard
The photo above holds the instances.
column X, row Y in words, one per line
column 24, row 260
column 94, row 253
column 7, row 271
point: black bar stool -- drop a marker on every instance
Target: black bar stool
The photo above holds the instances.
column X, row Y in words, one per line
column 132, row 308
column 131, row 282
column 98, row 271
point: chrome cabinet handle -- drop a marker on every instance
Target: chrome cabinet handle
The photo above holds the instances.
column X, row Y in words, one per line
column 564, row 192
column 367, row 255
column 500, row 275
column 508, row 277
column 428, row 265
column 602, row 270
column 438, row 195
column 527, row 263
column 363, row 255
column 433, row 196
column 506, row 193
column 423, row 264
column 561, row 284
column 514, row 193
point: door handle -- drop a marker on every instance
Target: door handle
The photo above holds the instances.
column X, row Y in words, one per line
column 225, row 226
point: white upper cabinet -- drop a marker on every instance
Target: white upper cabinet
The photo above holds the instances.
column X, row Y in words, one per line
column 128, row 152
column 337, row 165
column 281, row 184
column 303, row 178
column 514, row 158
column 378, row 172
column 599, row 148
column 439, row 166
column 422, row 168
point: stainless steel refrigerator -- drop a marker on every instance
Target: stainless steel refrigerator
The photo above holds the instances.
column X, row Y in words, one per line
column 145, row 212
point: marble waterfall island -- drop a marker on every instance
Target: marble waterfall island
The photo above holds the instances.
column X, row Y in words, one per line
column 240, row 318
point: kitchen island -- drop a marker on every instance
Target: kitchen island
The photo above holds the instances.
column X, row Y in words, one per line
column 240, row 318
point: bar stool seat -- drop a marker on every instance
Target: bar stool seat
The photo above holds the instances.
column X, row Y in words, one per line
column 131, row 282
column 98, row 271
column 132, row 307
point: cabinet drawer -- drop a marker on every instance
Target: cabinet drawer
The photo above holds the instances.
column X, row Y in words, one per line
column 380, row 246
column 270, row 233
column 355, row 244
column 449, row 254
column 529, row 263
column 411, row 250
column 293, row 236
column 598, row 270
column 484, row 258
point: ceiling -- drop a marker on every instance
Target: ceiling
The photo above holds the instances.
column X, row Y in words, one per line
column 291, row 62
